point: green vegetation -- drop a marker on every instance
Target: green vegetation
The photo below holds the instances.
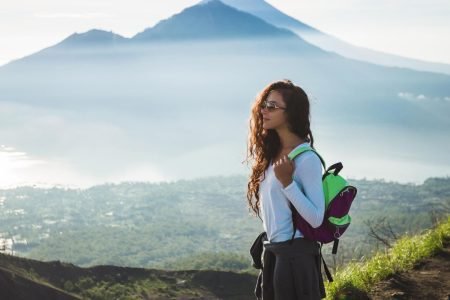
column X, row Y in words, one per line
column 402, row 256
column 198, row 226
column 224, row 261
column 189, row 224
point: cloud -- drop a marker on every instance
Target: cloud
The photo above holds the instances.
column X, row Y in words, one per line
column 12, row 159
column 93, row 15
column 422, row 98
column 15, row 165
column 6, row 148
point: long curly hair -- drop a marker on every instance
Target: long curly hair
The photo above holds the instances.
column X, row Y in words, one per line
column 263, row 145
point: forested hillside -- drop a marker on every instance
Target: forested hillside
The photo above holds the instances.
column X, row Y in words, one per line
column 200, row 224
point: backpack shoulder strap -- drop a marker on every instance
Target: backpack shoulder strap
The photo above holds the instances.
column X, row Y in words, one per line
column 302, row 149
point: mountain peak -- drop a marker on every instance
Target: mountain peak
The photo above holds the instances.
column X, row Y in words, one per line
column 267, row 12
column 93, row 37
column 244, row 2
column 211, row 2
column 211, row 19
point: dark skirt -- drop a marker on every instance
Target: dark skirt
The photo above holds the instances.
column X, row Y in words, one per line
column 296, row 270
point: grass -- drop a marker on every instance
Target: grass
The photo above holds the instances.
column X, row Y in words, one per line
column 402, row 256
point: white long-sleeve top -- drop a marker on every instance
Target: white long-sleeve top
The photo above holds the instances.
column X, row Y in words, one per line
column 305, row 193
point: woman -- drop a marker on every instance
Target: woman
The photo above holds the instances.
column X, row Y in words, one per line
column 280, row 122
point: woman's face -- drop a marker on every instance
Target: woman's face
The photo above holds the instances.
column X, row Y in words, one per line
column 274, row 118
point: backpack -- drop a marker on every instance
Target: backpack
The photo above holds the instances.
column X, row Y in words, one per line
column 339, row 196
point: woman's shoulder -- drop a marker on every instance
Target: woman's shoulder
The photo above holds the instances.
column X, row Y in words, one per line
column 307, row 167
column 307, row 157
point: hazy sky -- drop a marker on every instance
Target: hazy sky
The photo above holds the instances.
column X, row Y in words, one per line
column 412, row 28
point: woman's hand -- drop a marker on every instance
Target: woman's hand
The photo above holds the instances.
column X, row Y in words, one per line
column 284, row 168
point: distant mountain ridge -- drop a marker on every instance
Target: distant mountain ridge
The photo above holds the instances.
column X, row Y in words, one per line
column 268, row 13
column 327, row 42
column 94, row 37
column 213, row 20
column 202, row 21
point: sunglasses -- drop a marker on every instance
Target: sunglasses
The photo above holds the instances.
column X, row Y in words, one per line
column 270, row 106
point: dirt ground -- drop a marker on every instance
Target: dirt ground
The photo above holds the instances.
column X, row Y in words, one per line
column 429, row 279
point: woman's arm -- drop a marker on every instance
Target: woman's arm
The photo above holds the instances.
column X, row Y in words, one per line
column 310, row 203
